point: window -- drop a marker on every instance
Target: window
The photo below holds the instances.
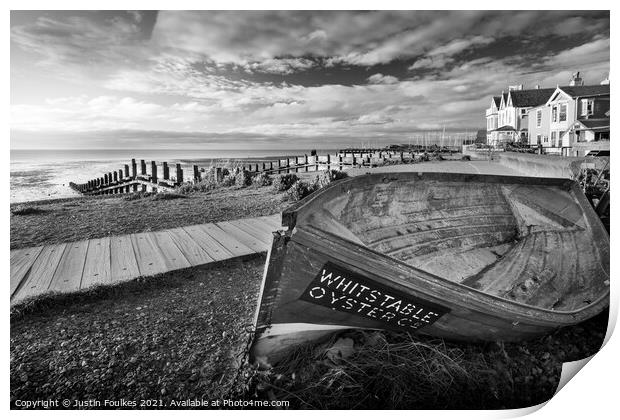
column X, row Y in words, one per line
column 587, row 107
column 554, row 113
column 539, row 118
column 553, row 138
column 563, row 112
column 538, row 139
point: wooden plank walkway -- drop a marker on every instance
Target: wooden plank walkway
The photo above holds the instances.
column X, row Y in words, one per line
column 69, row 267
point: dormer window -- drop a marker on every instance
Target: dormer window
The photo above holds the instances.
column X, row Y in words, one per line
column 587, row 107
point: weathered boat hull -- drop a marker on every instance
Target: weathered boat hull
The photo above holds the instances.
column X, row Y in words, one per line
column 321, row 277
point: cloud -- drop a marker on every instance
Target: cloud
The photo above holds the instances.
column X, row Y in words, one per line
column 355, row 38
column 441, row 56
column 596, row 51
column 280, row 65
column 268, row 74
column 378, row 79
column 460, row 45
column 431, row 63
column 360, row 38
column 78, row 39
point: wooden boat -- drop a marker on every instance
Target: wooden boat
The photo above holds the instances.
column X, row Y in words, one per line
column 458, row 256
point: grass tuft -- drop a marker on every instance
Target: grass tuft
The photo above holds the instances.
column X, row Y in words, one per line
column 27, row 211
column 390, row 370
column 137, row 195
column 284, row 181
column 406, row 373
column 168, row 196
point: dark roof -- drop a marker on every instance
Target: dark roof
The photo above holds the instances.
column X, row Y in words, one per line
column 505, row 128
column 497, row 100
column 530, row 97
column 586, row 90
column 595, row 122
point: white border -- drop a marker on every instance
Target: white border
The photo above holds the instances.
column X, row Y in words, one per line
column 590, row 395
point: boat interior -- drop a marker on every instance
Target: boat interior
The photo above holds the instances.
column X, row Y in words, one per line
column 527, row 243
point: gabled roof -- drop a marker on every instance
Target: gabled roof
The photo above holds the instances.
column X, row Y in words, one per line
column 497, row 100
column 594, row 123
column 503, row 98
column 530, row 97
column 593, row 90
column 505, row 128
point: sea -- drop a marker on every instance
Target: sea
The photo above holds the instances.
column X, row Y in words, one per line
column 46, row 174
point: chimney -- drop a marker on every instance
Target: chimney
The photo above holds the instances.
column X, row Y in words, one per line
column 576, row 80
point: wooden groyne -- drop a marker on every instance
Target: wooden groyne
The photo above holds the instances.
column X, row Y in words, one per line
column 134, row 179
column 159, row 177
column 338, row 161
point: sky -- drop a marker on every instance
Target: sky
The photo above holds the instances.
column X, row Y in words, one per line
column 278, row 79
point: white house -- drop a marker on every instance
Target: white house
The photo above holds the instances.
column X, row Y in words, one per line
column 556, row 119
column 569, row 104
column 492, row 117
column 513, row 113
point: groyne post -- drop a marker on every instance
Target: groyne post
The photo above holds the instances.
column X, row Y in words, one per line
column 179, row 174
column 196, row 173
column 142, row 167
column 134, row 172
column 153, row 172
column 166, row 171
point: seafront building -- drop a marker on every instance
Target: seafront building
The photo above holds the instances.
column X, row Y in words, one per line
column 568, row 120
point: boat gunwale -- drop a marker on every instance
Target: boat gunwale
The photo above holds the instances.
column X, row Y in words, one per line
column 289, row 218
column 289, row 214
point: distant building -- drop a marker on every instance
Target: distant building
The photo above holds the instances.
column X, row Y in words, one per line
column 590, row 136
column 572, row 104
column 560, row 120
column 491, row 114
column 512, row 113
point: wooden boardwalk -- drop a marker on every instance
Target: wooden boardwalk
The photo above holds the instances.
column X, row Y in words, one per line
column 69, row 267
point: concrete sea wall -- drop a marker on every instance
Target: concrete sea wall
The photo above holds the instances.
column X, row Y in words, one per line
column 548, row 166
